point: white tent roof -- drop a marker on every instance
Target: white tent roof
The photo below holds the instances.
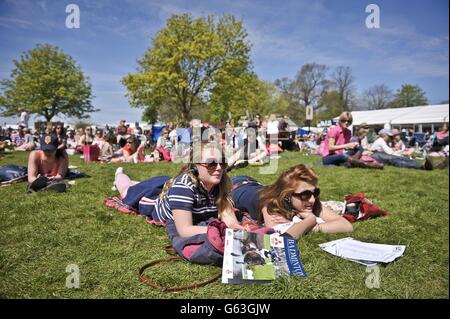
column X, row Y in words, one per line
column 405, row 115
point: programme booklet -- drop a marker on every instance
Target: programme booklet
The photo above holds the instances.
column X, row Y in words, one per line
column 259, row 258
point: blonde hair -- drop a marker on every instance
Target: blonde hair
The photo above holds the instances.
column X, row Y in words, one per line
column 224, row 202
column 274, row 196
column 346, row 116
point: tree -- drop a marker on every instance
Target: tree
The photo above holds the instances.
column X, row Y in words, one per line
column 190, row 60
column 343, row 79
column 307, row 87
column 409, row 95
column 329, row 106
column 310, row 83
column 47, row 82
column 247, row 94
column 377, row 97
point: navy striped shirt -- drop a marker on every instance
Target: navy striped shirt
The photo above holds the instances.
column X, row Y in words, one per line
column 184, row 195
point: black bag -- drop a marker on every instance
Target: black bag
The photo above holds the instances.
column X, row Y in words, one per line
column 42, row 183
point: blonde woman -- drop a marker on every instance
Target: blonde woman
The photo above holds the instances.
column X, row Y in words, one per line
column 186, row 203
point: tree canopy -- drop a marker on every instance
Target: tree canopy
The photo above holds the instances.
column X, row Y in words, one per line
column 409, row 95
column 192, row 63
column 47, row 82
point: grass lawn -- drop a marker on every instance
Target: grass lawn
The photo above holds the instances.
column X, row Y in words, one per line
column 42, row 233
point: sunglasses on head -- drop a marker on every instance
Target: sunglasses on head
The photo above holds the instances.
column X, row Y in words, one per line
column 211, row 164
column 306, row 195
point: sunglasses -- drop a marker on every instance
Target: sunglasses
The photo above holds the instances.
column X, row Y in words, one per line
column 346, row 121
column 306, row 195
column 211, row 165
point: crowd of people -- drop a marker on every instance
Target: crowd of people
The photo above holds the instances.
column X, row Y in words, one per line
column 252, row 142
column 202, row 192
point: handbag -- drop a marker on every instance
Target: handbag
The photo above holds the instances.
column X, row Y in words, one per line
column 91, row 153
column 358, row 207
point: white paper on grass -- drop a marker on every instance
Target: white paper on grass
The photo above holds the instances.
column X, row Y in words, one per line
column 363, row 253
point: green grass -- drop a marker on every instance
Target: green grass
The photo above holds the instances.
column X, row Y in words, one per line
column 42, row 233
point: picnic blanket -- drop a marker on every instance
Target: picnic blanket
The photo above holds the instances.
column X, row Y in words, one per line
column 11, row 174
column 117, row 203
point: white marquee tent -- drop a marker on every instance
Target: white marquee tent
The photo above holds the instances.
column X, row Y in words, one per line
column 406, row 116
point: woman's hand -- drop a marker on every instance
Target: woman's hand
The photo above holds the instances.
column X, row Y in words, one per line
column 278, row 219
column 55, row 178
column 305, row 214
column 351, row 145
column 238, row 226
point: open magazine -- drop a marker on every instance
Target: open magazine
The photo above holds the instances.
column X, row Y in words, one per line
column 259, row 258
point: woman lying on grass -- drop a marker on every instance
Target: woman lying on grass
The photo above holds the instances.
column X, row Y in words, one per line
column 48, row 166
column 290, row 205
column 186, row 203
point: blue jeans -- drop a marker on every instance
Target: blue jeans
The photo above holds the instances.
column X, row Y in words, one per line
column 338, row 159
column 335, row 159
column 398, row 161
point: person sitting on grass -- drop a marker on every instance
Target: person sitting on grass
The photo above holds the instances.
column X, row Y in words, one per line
column 106, row 150
column 132, row 152
column 61, row 135
column 253, row 151
column 48, row 166
column 361, row 153
column 399, row 146
column 29, row 144
column 386, row 155
column 199, row 194
column 339, row 149
column 164, row 145
column 86, row 139
column 290, row 205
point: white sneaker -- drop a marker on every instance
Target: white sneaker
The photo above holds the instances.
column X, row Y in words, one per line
column 119, row 170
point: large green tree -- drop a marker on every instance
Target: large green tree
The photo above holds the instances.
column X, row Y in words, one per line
column 329, row 106
column 409, row 95
column 246, row 94
column 46, row 81
column 189, row 62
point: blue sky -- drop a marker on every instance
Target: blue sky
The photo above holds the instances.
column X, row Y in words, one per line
column 412, row 45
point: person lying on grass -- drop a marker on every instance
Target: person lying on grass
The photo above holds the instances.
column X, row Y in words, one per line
column 199, row 194
column 47, row 166
column 290, row 205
